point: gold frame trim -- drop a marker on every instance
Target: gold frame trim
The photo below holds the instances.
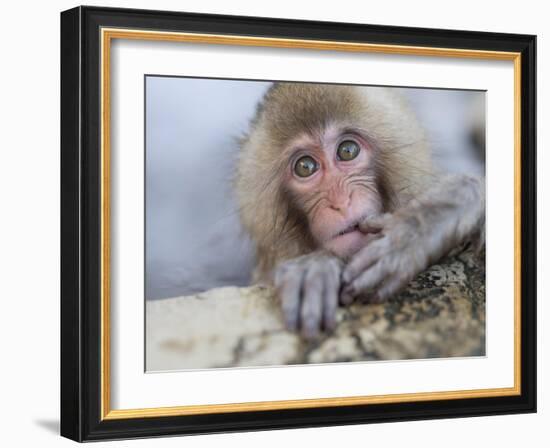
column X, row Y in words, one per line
column 107, row 35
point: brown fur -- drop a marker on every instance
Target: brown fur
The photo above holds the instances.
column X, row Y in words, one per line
column 289, row 109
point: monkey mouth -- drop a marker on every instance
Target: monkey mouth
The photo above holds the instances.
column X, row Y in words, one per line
column 346, row 241
column 349, row 229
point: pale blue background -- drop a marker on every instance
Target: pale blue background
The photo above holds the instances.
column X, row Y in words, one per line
column 193, row 238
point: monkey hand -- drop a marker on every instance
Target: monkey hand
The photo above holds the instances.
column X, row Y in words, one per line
column 408, row 241
column 308, row 288
column 386, row 263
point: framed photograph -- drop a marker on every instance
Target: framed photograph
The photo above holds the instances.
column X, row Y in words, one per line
column 276, row 224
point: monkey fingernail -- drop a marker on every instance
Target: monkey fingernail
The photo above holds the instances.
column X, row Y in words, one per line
column 311, row 336
column 369, row 228
column 291, row 326
column 346, row 277
column 310, row 329
column 350, row 273
column 347, row 297
column 330, row 324
column 291, row 323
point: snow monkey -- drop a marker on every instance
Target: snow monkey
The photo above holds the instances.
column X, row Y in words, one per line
column 336, row 188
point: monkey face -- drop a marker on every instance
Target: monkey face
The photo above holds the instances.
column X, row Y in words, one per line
column 332, row 180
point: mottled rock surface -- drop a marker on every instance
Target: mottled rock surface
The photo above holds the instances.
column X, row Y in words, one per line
column 440, row 314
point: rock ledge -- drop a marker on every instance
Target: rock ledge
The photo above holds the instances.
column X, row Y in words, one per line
column 440, row 314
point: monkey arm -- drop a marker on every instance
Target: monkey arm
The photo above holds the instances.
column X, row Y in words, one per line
column 450, row 212
column 308, row 288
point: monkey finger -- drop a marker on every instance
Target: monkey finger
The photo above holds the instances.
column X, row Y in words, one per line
column 312, row 302
column 289, row 288
column 388, row 289
column 330, row 305
column 363, row 260
column 374, row 224
column 371, row 237
column 346, row 298
column 365, row 282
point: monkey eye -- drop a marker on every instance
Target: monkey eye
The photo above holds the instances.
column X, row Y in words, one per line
column 347, row 150
column 305, row 166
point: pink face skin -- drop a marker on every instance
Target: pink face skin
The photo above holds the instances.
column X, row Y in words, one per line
column 340, row 193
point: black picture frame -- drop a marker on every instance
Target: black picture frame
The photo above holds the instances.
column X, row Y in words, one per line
column 81, row 381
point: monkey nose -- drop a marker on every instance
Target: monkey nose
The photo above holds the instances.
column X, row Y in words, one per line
column 340, row 204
